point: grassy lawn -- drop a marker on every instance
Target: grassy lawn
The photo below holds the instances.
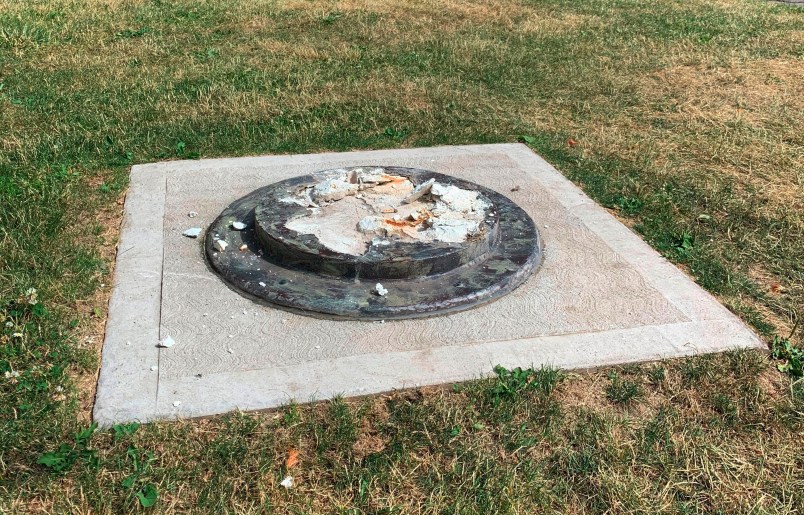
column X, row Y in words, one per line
column 683, row 117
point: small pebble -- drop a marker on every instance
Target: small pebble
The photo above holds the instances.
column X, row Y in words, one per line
column 166, row 342
column 243, row 247
column 238, row 226
column 154, row 368
column 380, row 290
column 230, row 351
column 192, row 214
column 221, row 245
column 176, row 404
column 193, row 232
column 317, row 346
column 262, row 284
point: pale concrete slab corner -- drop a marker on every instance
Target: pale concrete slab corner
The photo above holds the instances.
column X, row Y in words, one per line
column 601, row 297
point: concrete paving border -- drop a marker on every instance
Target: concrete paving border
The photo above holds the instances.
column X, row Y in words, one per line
column 603, row 297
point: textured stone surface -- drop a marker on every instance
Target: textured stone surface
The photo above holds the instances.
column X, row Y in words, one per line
column 602, row 296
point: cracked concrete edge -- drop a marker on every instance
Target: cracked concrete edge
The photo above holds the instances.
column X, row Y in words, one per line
column 382, row 372
column 127, row 387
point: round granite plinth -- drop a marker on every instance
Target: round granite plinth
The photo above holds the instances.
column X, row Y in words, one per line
column 426, row 269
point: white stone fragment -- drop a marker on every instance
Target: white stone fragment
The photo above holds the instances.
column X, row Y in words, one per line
column 450, row 230
column 221, row 245
column 287, row 482
column 380, row 290
column 176, row 404
column 331, row 190
column 238, row 226
column 167, row 342
column 262, row 284
column 154, row 368
column 420, row 191
column 192, row 232
column 192, row 214
column 458, row 199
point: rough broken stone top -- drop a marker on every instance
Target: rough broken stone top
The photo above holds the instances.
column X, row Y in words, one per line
column 350, row 211
column 462, row 243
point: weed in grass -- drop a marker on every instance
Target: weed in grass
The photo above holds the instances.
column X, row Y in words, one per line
column 511, row 382
column 792, row 357
column 395, row 134
column 124, row 430
column 62, row 459
column 291, row 415
column 136, row 483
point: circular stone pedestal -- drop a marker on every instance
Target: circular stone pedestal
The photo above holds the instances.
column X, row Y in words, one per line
column 374, row 243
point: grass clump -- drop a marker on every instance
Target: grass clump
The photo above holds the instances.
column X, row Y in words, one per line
column 621, row 390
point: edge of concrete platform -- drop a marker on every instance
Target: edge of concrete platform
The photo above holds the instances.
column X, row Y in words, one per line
column 132, row 327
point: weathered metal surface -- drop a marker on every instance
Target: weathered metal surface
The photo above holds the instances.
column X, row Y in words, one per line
column 271, row 263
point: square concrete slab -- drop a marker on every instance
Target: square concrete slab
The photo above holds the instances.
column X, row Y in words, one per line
column 601, row 297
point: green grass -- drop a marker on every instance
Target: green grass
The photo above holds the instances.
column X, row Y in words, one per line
column 683, row 118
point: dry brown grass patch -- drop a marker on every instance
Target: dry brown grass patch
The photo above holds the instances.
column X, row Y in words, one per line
column 762, row 100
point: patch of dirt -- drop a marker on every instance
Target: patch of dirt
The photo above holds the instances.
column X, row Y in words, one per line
column 92, row 328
